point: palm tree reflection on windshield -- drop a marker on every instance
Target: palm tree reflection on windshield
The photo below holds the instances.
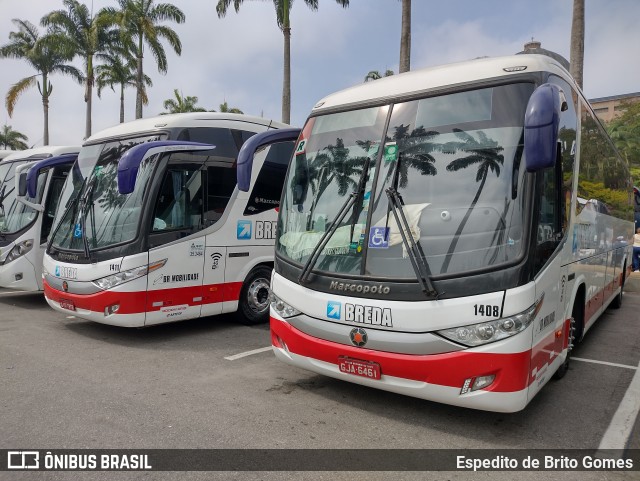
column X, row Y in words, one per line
column 485, row 153
column 333, row 166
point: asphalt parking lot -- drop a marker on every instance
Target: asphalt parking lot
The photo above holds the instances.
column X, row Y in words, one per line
column 211, row 383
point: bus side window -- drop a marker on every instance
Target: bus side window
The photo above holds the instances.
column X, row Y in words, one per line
column 221, row 182
column 179, row 202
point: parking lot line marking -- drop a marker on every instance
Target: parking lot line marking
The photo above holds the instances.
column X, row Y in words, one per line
column 617, row 434
column 248, row 353
column 635, row 368
column 11, row 293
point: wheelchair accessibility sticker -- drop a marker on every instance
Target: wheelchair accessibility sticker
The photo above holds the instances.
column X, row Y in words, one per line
column 379, row 238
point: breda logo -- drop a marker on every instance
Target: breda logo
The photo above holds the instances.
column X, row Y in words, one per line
column 376, row 316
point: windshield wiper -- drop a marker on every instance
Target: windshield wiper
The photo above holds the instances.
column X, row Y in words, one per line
column 87, row 204
column 313, row 258
column 344, row 210
column 414, row 250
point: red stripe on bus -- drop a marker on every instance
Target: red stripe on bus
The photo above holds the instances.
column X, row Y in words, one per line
column 448, row 369
column 143, row 301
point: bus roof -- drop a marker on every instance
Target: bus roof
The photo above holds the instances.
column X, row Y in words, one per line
column 42, row 152
column 5, row 153
column 191, row 119
column 434, row 78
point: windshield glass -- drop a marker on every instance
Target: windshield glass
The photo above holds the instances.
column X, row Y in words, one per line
column 455, row 162
column 91, row 198
column 14, row 215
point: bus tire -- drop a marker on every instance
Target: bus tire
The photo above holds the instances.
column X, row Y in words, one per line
column 254, row 297
column 617, row 301
column 576, row 317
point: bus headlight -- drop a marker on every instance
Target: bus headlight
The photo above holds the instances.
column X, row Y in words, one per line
column 20, row 249
column 485, row 332
column 114, row 280
column 283, row 309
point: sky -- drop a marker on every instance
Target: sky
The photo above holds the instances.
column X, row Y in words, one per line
column 238, row 59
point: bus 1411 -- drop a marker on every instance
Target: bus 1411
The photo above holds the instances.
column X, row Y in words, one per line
column 154, row 227
column 430, row 240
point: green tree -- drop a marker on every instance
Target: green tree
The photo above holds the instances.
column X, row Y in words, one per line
column 119, row 68
column 375, row 75
column 12, row 139
column 405, row 38
column 283, row 9
column 230, row 110
column 45, row 57
column 85, row 35
column 140, row 24
column 625, row 133
column 180, row 104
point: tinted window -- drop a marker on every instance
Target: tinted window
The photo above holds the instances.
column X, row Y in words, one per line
column 226, row 146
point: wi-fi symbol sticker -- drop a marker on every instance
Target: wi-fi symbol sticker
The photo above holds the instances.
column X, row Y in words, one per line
column 216, row 259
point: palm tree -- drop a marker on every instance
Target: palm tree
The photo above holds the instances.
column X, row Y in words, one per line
column 139, row 21
column 405, row 37
column 375, row 75
column 119, row 68
column 86, row 35
column 230, row 110
column 44, row 56
column 576, row 55
column 181, row 104
column 283, row 9
column 485, row 153
column 12, row 139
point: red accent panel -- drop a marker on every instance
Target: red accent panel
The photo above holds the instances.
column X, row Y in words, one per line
column 231, row 291
column 449, row 369
column 141, row 301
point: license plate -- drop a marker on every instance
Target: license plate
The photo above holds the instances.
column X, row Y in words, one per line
column 356, row 367
column 65, row 304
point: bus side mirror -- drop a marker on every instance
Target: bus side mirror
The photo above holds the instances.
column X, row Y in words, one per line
column 248, row 149
column 541, row 126
column 22, row 184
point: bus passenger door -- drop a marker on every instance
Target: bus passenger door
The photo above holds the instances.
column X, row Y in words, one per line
column 174, row 291
column 549, row 333
column 220, row 185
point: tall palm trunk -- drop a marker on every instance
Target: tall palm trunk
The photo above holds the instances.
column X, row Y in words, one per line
column 456, row 236
column 576, row 58
column 46, row 91
column 121, row 103
column 405, row 37
column 286, row 81
column 139, row 81
column 88, row 94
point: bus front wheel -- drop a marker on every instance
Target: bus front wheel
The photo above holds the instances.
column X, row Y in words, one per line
column 254, row 297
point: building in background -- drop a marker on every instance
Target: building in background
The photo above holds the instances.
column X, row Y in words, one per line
column 608, row 108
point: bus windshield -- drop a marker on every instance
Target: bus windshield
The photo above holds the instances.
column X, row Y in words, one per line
column 455, row 163
column 14, row 215
column 91, row 204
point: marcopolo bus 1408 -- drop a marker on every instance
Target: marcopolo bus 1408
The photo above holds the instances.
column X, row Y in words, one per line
column 430, row 240
column 160, row 223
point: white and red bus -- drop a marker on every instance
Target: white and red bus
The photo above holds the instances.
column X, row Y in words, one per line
column 158, row 222
column 430, row 239
column 26, row 218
